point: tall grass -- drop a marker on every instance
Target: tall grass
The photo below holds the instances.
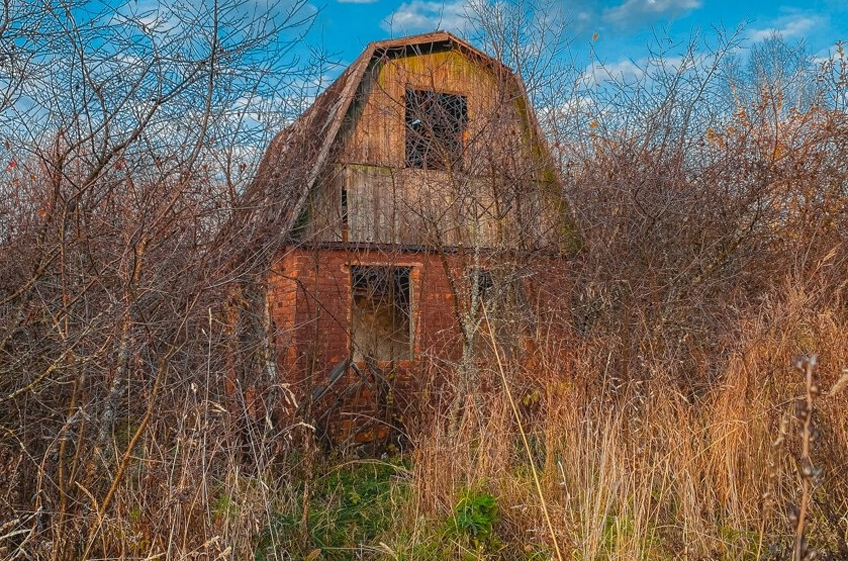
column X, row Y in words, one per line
column 644, row 471
column 139, row 397
column 628, row 470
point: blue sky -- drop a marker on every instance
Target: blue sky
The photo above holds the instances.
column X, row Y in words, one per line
column 623, row 27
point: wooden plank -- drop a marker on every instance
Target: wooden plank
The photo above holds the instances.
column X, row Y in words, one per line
column 325, row 212
column 491, row 201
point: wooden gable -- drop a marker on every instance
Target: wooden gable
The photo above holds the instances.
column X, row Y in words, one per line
column 496, row 190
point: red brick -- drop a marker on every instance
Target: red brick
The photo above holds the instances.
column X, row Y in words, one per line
column 313, row 312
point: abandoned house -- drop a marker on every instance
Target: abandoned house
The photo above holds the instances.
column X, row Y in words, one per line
column 414, row 197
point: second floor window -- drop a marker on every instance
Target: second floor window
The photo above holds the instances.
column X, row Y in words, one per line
column 435, row 127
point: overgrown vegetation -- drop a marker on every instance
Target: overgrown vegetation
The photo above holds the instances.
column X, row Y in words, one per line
column 651, row 411
column 350, row 505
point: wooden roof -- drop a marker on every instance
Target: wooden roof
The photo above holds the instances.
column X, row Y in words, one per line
column 296, row 156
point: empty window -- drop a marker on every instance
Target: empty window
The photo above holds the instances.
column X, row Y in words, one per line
column 380, row 315
column 483, row 282
column 497, row 292
column 435, row 125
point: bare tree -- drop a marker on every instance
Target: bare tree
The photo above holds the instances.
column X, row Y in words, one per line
column 128, row 135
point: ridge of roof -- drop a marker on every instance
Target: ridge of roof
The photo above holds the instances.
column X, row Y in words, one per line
column 431, row 37
column 435, row 37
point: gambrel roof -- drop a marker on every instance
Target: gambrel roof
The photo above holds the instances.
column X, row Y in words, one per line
column 296, row 156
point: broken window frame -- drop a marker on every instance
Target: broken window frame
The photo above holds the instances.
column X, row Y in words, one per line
column 436, row 124
column 381, row 291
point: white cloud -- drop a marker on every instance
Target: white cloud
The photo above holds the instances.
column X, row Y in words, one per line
column 426, row 15
column 639, row 11
column 148, row 15
column 788, row 27
column 628, row 71
column 827, row 54
column 625, row 70
column 577, row 105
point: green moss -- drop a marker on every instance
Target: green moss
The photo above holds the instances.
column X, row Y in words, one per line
column 570, row 240
column 568, row 236
column 303, row 220
column 743, row 545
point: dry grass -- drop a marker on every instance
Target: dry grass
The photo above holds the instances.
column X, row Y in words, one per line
column 660, row 404
column 631, row 470
column 646, row 472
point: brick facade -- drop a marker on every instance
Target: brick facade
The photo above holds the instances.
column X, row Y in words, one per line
column 311, row 299
column 311, row 307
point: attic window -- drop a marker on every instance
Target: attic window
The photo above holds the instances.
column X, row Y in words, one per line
column 435, row 124
column 380, row 314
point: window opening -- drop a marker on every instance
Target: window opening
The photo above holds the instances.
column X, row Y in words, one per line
column 435, row 127
column 380, row 315
column 345, row 223
column 500, row 308
column 484, row 282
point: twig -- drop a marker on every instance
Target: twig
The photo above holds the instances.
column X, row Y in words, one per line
column 523, row 437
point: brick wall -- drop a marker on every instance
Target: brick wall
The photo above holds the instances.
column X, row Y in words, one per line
column 311, row 308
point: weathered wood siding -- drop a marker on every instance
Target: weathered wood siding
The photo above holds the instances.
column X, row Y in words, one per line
column 324, row 220
column 435, row 208
column 492, row 199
